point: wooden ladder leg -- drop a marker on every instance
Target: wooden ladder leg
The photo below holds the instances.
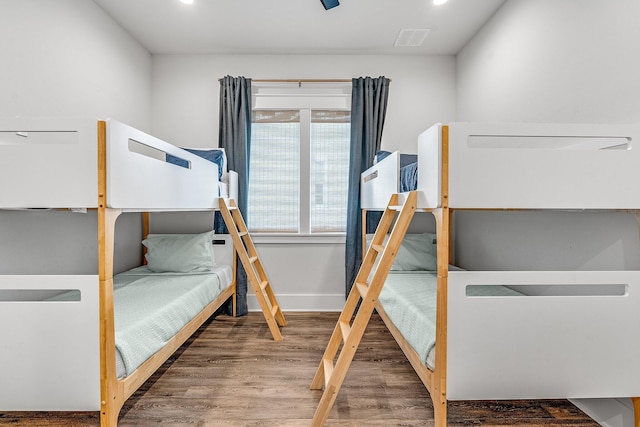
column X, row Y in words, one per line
column 439, row 410
column 438, row 391
column 636, row 411
column 256, row 276
column 366, row 293
column 336, row 339
column 269, row 310
column 330, row 376
column 111, row 394
column 353, row 298
column 262, row 285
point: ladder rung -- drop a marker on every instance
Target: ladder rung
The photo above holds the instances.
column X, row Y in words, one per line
column 328, row 370
column 378, row 248
column 345, row 329
column 274, row 310
column 363, row 289
column 355, row 327
column 255, row 273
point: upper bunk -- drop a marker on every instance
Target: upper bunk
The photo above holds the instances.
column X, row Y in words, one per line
column 516, row 166
column 55, row 163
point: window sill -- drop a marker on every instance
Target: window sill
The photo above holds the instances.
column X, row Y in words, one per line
column 267, row 238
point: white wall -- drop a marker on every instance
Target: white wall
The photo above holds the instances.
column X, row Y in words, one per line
column 185, row 99
column 554, row 61
column 66, row 58
column 69, row 58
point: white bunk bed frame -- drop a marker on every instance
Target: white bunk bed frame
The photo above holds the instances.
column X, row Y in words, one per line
column 553, row 346
column 72, row 343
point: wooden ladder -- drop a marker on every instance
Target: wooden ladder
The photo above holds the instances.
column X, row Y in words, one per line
column 253, row 266
column 362, row 298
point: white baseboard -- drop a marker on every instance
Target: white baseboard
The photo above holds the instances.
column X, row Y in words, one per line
column 607, row 412
column 303, row 302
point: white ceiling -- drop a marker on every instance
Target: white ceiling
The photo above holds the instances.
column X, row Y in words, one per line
column 298, row 26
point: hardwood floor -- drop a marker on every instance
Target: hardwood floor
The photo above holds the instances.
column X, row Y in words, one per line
column 231, row 373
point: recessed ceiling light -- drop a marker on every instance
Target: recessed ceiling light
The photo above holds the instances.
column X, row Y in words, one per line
column 439, row 2
column 186, row 1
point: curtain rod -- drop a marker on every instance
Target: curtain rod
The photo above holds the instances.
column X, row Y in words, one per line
column 302, row 80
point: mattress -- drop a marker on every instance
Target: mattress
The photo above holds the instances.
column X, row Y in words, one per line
column 409, row 299
column 150, row 308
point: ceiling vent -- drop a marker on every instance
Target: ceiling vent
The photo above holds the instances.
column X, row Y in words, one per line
column 411, row 37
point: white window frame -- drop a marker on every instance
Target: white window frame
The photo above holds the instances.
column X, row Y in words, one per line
column 303, row 97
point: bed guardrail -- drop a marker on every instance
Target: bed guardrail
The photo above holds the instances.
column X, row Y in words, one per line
column 139, row 178
column 543, row 166
column 567, row 323
column 50, row 358
column 379, row 182
column 48, row 163
column 430, row 168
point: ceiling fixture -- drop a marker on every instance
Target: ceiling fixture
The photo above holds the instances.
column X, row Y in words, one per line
column 186, row 1
column 411, row 37
column 328, row 4
column 439, row 2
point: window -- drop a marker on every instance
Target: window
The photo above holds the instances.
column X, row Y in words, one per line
column 329, row 143
column 274, row 172
column 299, row 166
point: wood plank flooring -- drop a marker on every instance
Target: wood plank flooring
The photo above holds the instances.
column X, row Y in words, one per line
column 231, row 373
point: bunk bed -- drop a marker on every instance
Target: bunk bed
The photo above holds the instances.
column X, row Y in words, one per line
column 499, row 334
column 87, row 357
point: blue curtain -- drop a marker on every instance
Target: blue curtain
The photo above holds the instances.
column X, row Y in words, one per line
column 368, row 109
column 235, row 137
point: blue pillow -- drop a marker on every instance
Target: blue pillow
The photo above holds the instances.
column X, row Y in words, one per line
column 408, row 159
column 214, row 155
column 381, row 155
column 405, row 159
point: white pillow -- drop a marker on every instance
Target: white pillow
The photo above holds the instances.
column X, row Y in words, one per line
column 417, row 252
column 180, row 253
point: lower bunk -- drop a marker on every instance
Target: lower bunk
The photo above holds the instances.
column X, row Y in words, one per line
column 154, row 315
column 53, row 358
column 517, row 335
column 148, row 312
